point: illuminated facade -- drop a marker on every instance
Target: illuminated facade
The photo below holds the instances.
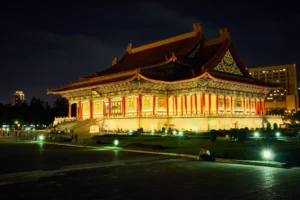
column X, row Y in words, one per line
column 19, row 98
column 184, row 82
column 285, row 75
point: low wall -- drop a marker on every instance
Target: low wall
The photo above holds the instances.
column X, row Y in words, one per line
column 189, row 123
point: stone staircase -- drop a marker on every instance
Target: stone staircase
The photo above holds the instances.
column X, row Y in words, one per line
column 77, row 126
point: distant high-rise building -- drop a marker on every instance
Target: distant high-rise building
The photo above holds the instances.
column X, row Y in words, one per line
column 286, row 76
column 19, row 98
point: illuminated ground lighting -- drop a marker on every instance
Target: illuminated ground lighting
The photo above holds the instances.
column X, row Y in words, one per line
column 180, row 133
column 277, row 134
column 41, row 137
column 267, row 154
column 256, row 134
column 116, row 142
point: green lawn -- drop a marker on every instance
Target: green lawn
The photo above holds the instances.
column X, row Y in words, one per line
column 222, row 148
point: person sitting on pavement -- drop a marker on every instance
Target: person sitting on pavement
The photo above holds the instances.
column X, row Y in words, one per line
column 204, row 154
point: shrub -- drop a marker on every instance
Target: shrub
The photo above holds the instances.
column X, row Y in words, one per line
column 241, row 135
column 170, row 131
column 213, row 135
column 268, row 126
column 163, row 129
column 297, row 132
column 233, row 133
column 140, row 130
column 275, row 126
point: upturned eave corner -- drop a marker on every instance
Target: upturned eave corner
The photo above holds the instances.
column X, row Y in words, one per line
column 197, row 27
column 50, row 91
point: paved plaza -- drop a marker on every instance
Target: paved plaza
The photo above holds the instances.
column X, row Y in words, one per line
column 57, row 172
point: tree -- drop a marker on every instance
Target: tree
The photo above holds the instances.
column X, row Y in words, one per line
column 268, row 126
column 60, row 107
column 213, row 135
column 275, row 126
column 37, row 112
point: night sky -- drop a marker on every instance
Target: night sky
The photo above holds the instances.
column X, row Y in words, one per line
column 45, row 45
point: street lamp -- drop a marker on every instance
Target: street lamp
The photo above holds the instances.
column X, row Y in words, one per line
column 41, row 137
column 116, row 142
column 152, row 132
column 267, row 154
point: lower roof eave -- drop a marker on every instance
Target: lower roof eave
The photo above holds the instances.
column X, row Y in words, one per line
column 241, row 83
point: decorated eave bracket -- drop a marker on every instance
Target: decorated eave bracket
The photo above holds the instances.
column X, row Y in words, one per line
column 95, row 93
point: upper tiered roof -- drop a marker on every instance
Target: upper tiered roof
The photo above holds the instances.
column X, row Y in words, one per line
column 154, row 54
column 183, row 57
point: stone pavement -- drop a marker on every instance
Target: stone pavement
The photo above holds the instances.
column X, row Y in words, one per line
column 221, row 160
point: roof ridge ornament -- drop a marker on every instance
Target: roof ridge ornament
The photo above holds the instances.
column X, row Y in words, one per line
column 224, row 34
column 197, row 27
column 114, row 61
column 129, row 48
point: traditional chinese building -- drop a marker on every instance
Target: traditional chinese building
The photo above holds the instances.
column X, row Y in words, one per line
column 184, row 82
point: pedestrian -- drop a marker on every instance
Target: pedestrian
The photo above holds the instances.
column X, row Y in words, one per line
column 204, row 154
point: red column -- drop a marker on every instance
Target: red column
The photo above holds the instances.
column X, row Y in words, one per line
column 70, row 110
column 185, row 104
column 231, row 104
column 109, row 106
column 244, row 105
column 80, row 111
column 77, row 110
column 255, row 105
column 224, row 104
column 137, row 106
column 250, row 110
column 203, row 103
column 260, row 107
column 154, row 105
column 265, row 107
column 176, row 105
column 123, row 106
column 91, row 109
column 104, row 109
column 167, row 105
column 209, row 103
column 174, row 109
column 181, row 105
column 196, row 106
column 191, row 104
column 217, row 104
column 140, row 105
